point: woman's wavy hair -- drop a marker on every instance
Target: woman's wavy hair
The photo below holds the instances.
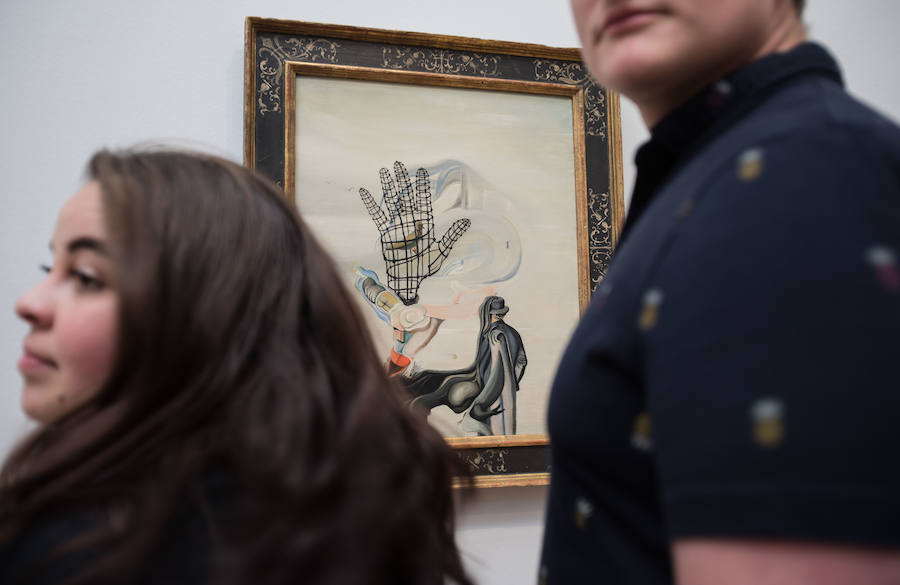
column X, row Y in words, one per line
column 241, row 352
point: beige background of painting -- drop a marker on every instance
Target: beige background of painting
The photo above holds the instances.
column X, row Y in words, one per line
column 519, row 149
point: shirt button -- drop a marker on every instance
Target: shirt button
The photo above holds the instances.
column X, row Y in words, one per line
column 642, row 433
column 719, row 94
column 685, row 209
column 750, row 165
column 767, row 415
column 583, row 512
column 884, row 262
column 650, row 313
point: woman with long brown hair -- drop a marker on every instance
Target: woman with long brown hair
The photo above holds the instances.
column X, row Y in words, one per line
column 210, row 406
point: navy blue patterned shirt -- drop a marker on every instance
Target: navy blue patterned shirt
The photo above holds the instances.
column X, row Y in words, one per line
column 736, row 374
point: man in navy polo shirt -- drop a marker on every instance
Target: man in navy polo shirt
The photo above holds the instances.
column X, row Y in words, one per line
column 725, row 411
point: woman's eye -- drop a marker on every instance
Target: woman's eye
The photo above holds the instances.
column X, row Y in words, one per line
column 86, row 281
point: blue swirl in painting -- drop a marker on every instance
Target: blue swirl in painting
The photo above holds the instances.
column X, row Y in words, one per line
column 491, row 250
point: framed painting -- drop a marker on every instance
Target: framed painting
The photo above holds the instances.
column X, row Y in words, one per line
column 469, row 190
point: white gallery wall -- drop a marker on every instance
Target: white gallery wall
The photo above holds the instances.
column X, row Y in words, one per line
column 78, row 75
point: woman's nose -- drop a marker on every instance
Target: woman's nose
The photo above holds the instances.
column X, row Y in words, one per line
column 36, row 305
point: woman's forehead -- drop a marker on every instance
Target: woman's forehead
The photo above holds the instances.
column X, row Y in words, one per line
column 81, row 216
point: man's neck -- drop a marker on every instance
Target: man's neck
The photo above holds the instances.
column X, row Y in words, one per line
column 655, row 108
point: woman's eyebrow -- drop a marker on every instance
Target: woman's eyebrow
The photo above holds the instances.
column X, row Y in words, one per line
column 87, row 243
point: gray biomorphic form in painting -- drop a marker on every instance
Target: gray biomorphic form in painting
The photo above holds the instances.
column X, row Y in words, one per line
column 405, row 222
column 485, row 391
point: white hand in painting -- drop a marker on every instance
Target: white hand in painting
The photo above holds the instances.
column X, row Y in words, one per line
column 405, row 224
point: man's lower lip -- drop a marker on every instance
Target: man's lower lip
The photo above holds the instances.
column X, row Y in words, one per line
column 629, row 22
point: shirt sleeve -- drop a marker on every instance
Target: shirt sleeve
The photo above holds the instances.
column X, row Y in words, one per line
column 772, row 339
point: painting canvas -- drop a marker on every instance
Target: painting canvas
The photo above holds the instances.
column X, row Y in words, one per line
column 460, row 209
column 504, row 162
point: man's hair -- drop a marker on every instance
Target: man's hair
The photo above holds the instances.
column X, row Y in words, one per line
column 800, row 5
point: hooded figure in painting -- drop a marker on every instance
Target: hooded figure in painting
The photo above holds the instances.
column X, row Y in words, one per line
column 486, row 390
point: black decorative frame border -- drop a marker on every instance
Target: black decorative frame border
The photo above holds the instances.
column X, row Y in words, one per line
column 272, row 47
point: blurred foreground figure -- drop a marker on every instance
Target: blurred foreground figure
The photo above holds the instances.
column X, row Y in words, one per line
column 210, row 407
column 725, row 412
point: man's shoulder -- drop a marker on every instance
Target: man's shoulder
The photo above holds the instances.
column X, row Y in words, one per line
column 807, row 140
column 810, row 169
column 816, row 117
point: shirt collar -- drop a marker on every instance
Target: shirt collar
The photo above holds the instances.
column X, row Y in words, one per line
column 678, row 135
column 739, row 91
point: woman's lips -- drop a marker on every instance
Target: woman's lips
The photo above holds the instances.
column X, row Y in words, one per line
column 32, row 362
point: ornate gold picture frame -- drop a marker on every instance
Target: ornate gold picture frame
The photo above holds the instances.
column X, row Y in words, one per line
column 508, row 184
